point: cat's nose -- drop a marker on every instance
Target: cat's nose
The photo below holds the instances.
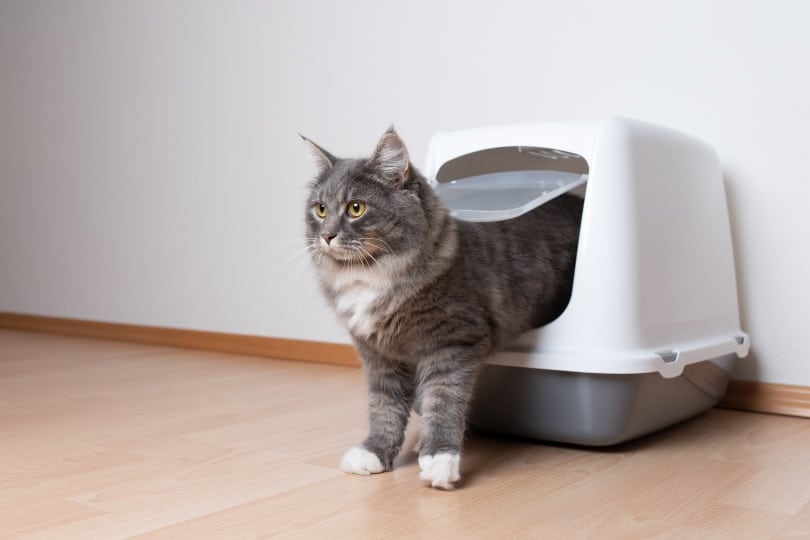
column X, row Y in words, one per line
column 328, row 238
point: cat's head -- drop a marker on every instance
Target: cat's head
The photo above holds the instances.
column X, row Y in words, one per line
column 367, row 209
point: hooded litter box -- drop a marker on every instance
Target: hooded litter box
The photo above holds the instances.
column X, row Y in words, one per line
column 652, row 327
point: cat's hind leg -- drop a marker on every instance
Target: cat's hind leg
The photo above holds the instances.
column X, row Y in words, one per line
column 445, row 388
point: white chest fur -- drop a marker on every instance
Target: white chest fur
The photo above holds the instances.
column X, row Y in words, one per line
column 358, row 293
column 356, row 305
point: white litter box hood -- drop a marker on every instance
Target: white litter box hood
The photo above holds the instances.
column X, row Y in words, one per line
column 654, row 286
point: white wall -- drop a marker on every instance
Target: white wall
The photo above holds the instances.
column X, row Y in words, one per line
column 151, row 170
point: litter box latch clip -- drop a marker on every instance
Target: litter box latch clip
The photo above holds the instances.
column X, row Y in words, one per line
column 671, row 367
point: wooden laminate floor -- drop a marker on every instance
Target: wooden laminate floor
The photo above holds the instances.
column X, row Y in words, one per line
column 111, row 440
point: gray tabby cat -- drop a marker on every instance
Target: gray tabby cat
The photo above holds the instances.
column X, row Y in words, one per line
column 426, row 297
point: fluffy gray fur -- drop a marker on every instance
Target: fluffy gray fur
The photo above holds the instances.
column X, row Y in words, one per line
column 426, row 297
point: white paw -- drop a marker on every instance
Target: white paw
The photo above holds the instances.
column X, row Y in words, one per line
column 360, row 461
column 441, row 470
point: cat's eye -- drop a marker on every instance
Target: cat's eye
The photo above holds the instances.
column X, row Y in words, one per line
column 320, row 210
column 356, row 209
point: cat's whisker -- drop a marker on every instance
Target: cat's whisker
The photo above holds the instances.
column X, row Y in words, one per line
column 379, row 244
column 273, row 250
column 369, row 258
column 265, row 255
column 292, row 241
column 300, row 262
column 306, row 242
column 297, row 259
column 385, row 275
column 378, row 248
column 296, row 255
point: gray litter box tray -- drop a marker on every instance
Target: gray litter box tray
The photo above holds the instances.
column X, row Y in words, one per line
column 593, row 409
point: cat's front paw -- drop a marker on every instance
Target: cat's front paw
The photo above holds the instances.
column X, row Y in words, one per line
column 441, row 470
column 358, row 460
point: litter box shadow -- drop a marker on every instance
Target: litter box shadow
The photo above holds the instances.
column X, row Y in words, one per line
column 489, row 455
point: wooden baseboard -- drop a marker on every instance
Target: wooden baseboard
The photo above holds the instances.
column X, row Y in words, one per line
column 744, row 395
column 288, row 349
column 786, row 399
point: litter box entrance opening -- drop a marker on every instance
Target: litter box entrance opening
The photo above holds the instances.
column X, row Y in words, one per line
column 502, row 183
column 511, row 158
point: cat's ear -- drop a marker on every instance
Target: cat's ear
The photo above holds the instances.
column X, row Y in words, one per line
column 323, row 159
column 390, row 158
